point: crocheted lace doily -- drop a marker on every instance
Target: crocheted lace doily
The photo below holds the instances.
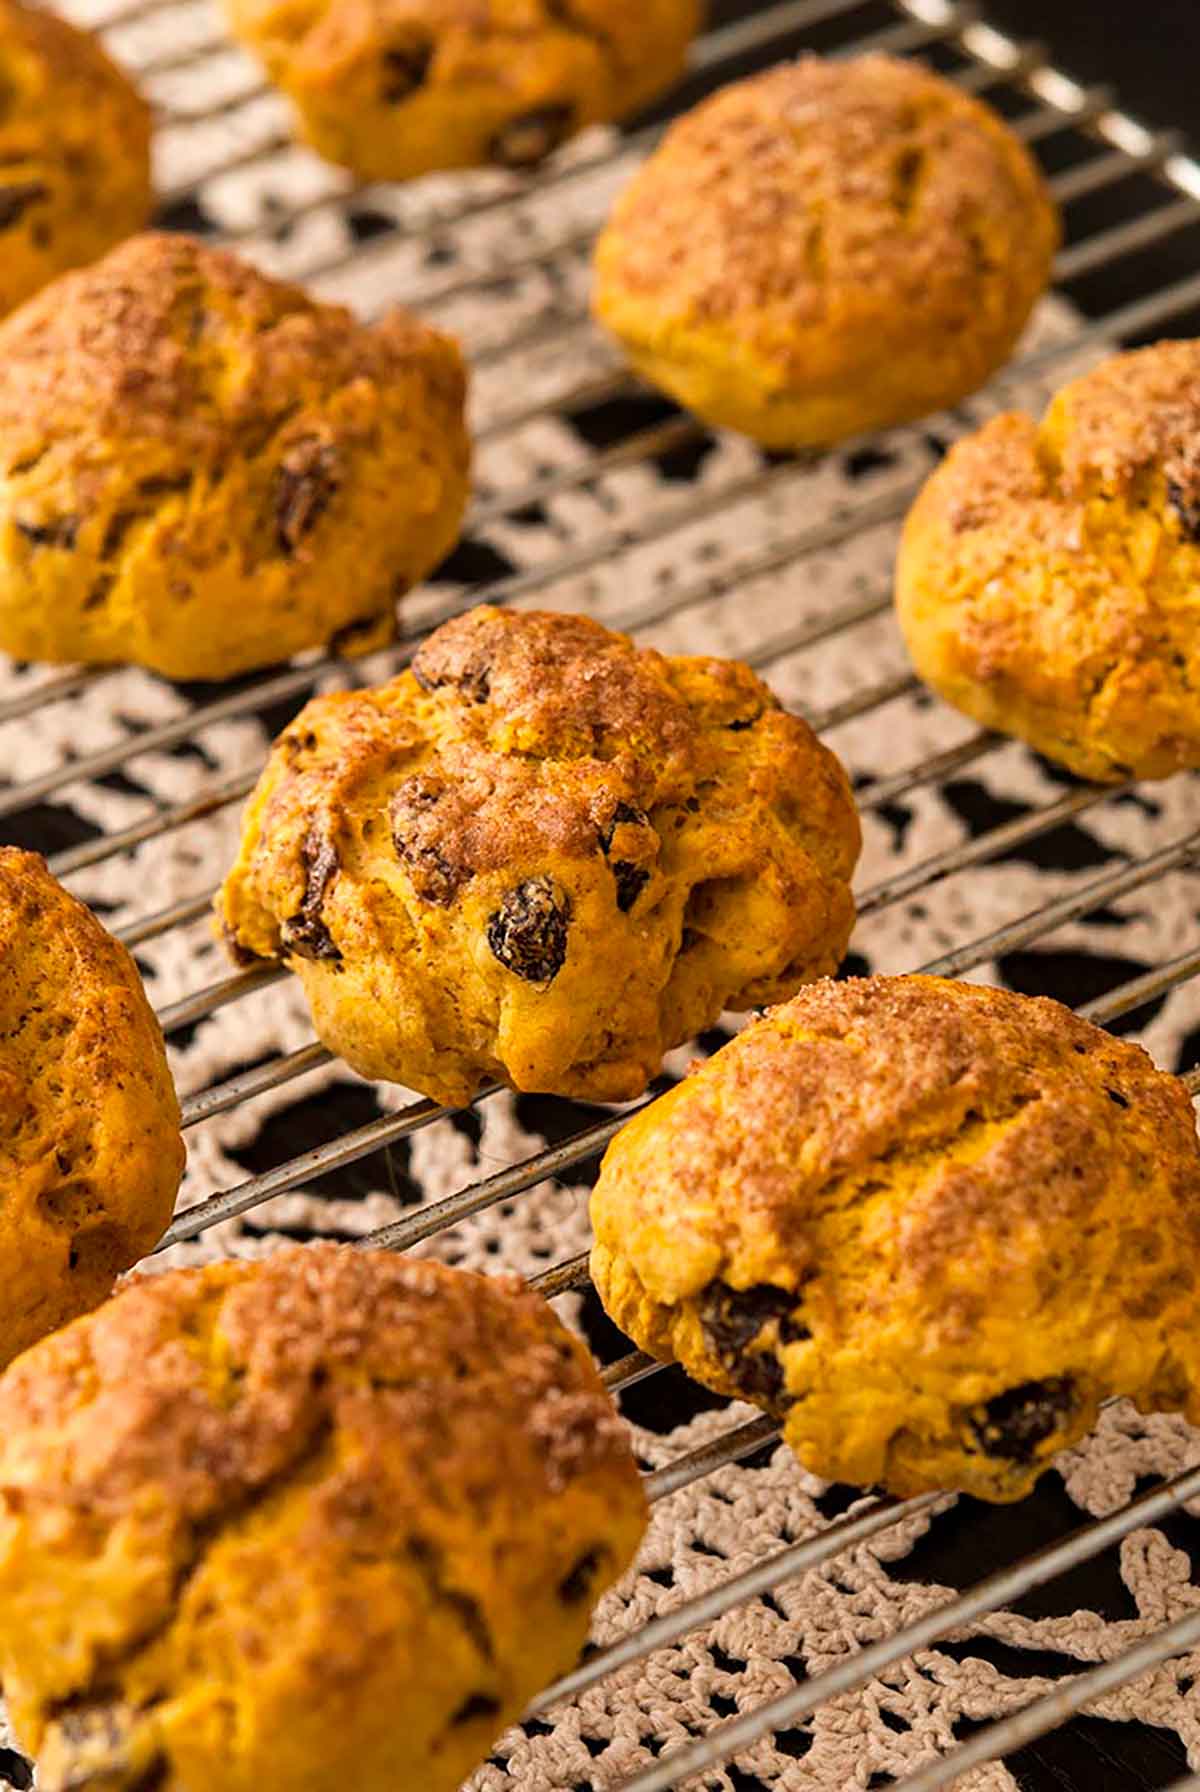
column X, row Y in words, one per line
column 723, row 1524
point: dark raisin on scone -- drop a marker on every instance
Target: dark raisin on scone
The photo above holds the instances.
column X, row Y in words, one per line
column 90, row 1147
column 397, row 88
column 74, row 151
column 545, row 855
column 930, row 1226
column 203, row 471
column 1047, row 572
column 332, row 1517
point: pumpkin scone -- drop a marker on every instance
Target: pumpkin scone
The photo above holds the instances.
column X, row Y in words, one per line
column 542, row 855
column 929, row 1226
column 825, row 249
column 74, row 151
column 90, row 1147
column 330, row 1518
column 397, row 88
column 1048, row 581
column 202, row 470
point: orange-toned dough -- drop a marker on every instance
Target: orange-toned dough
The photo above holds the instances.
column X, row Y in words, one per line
column 930, row 1226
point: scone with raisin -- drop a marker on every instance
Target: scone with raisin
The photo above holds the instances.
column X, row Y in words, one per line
column 825, row 249
column 74, row 151
column 90, row 1147
column 1048, row 581
column 330, row 1518
column 542, row 855
column 203, row 471
column 397, row 88
column 931, row 1227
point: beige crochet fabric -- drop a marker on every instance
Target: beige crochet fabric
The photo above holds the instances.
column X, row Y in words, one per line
column 730, row 1520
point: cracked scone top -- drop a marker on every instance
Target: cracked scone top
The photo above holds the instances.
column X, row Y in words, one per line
column 825, row 249
column 396, row 88
column 930, row 1226
column 90, row 1147
column 203, row 471
column 330, row 1518
column 542, row 855
column 74, row 151
column 1048, row 581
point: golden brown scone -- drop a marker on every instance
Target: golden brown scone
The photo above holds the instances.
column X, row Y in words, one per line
column 74, row 151
column 202, row 470
column 1049, row 573
column 543, row 855
column 396, row 88
column 825, row 249
column 930, row 1226
column 90, row 1148
column 328, row 1519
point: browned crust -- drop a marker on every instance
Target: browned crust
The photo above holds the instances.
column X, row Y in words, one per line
column 835, row 196
column 337, row 1512
column 1048, row 571
column 397, row 87
column 171, row 340
column 662, row 798
column 90, row 1147
column 962, row 1190
column 74, row 149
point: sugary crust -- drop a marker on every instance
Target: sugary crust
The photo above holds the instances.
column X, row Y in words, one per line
column 396, row 88
column 185, row 446
column 543, row 855
column 74, row 151
column 827, row 248
column 336, row 1512
column 90, row 1148
column 899, row 1211
column 1048, row 575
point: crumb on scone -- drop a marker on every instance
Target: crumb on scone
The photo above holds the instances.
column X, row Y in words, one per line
column 930, row 1226
column 825, row 249
column 74, row 151
column 545, row 855
column 1048, row 581
column 330, row 1517
column 90, row 1146
column 202, row 470
column 398, row 89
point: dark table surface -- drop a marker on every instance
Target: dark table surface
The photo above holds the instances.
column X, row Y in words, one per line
column 1149, row 49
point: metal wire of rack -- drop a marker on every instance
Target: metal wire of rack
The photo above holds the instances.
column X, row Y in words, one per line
column 983, row 61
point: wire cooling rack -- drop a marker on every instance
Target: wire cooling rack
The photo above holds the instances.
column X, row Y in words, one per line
column 1128, row 194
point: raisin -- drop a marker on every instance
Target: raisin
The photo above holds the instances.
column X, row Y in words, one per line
column 524, row 142
column 1013, row 1424
column 404, row 69
column 433, row 876
column 306, row 481
column 732, row 1320
column 631, row 881
column 576, row 1585
column 305, row 933
column 528, row 932
column 419, row 837
column 1185, row 502
column 16, row 199
column 478, row 1704
column 59, row 532
column 473, row 683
